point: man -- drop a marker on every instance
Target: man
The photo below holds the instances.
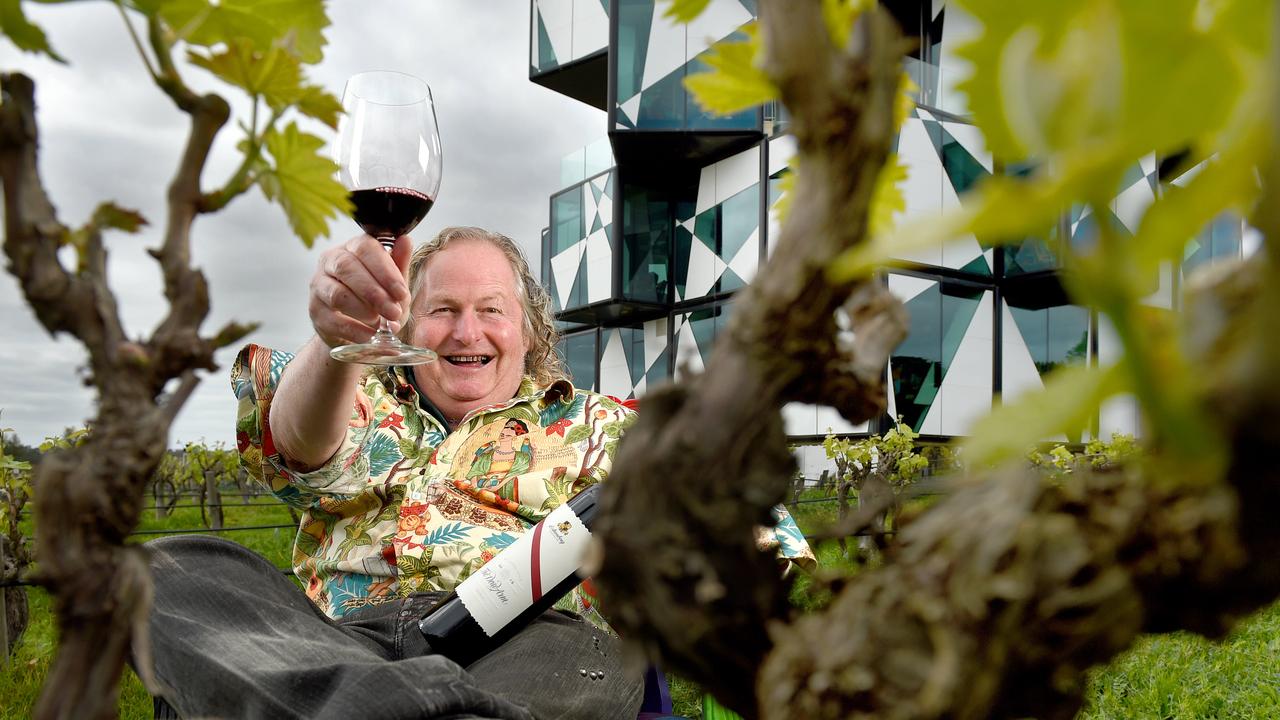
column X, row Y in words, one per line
column 378, row 461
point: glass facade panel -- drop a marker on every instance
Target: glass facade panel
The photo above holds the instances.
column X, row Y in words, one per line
column 941, row 316
column 566, row 220
column 646, row 245
column 959, row 303
column 962, row 168
column 567, row 231
column 916, row 365
column 634, row 340
column 1033, row 254
column 662, row 106
column 1037, row 252
column 598, row 157
column 699, row 119
column 697, row 331
column 1222, row 238
column 579, row 354
column 544, row 57
column 739, row 220
column 634, row 18
column 573, row 167
column 1055, row 336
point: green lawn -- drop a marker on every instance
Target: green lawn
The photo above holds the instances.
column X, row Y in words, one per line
column 20, row 682
column 1173, row 677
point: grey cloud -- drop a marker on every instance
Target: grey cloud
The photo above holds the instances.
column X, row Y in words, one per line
column 109, row 134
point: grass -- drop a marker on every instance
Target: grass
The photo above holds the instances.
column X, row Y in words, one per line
column 1169, row 677
column 1185, row 676
column 20, row 682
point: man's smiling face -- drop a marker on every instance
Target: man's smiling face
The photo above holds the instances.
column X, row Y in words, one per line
column 468, row 311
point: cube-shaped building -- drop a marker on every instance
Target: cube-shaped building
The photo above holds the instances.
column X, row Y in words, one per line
column 657, row 227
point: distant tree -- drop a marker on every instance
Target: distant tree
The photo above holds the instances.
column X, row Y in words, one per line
column 15, row 543
column 874, row 470
column 19, row 450
column 89, row 497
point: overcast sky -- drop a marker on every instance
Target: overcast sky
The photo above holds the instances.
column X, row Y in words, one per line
column 108, row 134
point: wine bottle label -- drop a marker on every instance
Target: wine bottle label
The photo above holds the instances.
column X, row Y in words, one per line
column 517, row 577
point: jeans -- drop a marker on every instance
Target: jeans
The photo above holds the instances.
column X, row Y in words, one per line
column 233, row 638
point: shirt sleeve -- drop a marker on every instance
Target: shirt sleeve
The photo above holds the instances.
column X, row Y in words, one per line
column 255, row 375
column 786, row 540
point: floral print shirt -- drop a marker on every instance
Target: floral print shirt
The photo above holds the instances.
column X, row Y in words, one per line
column 406, row 506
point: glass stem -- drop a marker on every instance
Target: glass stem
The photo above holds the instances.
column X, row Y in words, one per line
column 384, row 334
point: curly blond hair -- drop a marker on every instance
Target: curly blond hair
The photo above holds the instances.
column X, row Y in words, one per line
column 541, row 363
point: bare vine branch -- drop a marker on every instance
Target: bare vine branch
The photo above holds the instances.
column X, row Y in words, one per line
column 681, row 567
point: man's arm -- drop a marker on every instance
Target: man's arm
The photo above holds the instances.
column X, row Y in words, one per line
column 312, row 406
column 354, row 284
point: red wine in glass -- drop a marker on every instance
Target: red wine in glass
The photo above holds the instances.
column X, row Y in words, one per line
column 389, row 211
column 389, row 159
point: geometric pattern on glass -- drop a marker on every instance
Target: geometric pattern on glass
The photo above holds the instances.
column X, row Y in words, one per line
column 652, row 58
column 717, row 249
column 581, row 242
column 944, row 159
column 941, row 317
column 695, row 333
column 566, row 30
column 634, row 358
column 579, row 354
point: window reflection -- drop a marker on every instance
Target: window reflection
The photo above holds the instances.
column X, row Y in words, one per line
column 579, row 354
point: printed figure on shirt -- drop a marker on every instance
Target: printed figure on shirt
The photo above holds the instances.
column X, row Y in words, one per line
column 498, row 464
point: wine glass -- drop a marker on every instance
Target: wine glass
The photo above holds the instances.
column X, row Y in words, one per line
column 388, row 157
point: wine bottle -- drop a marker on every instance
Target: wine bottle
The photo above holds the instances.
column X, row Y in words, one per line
column 516, row 586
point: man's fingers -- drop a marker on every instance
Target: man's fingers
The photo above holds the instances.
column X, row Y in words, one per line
column 336, row 327
column 354, row 285
column 381, row 265
column 402, row 253
column 369, row 275
column 330, row 295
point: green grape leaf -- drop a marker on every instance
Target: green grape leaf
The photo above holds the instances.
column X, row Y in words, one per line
column 887, row 200
column 1035, row 89
column 734, row 82
column 318, row 103
column 1226, row 182
column 786, row 186
column 110, row 215
column 1246, row 22
column 22, row 32
column 106, row 216
column 273, row 73
column 684, row 11
column 994, row 72
column 302, row 181
column 1066, row 405
column 907, row 91
column 295, row 25
column 840, row 16
column 1182, row 79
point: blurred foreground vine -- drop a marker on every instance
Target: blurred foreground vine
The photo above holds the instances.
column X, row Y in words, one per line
column 996, row 600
